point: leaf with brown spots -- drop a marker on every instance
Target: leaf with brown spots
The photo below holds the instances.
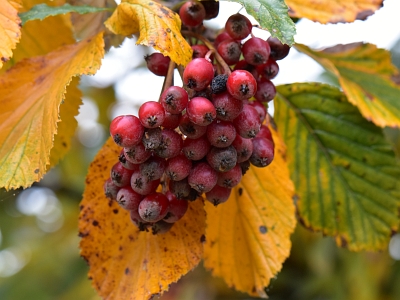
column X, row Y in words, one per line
column 248, row 237
column 30, row 95
column 10, row 28
column 366, row 75
column 125, row 263
column 157, row 25
column 333, row 11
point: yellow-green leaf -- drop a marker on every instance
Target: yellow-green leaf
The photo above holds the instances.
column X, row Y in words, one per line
column 125, row 263
column 157, row 25
column 367, row 76
column 344, row 171
column 10, row 31
column 30, row 96
column 333, row 11
column 248, row 237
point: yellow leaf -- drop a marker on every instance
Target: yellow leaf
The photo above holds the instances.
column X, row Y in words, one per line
column 158, row 27
column 10, row 31
column 333, row 11
column 125, row 263
column 30, row 95
column 366, row 75
column 248, row 237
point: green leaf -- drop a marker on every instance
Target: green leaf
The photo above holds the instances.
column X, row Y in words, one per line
column 42, row 11
column 345, row 172
column 367, row 76
column 272, row 16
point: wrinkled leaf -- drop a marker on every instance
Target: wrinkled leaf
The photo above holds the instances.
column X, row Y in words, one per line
column 30, row 96
column 328, row 11
column 366, row 75
column 248, row 237
column 42, row 11
column 157, row 25
column 125, row 263
column 343, row 169
column 272, row 16
column 90, row 24
column 10, row 31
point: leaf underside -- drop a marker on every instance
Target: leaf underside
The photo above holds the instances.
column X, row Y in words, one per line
column 344, row 171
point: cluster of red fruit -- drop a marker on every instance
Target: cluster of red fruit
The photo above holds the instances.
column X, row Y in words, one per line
column 201, row 138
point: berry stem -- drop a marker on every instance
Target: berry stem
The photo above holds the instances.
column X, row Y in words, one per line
column 169, row 79
column 210, row 46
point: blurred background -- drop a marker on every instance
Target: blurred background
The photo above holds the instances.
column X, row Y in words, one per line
column 39, row 255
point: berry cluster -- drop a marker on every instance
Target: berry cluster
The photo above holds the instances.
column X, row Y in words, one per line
column 202, row 138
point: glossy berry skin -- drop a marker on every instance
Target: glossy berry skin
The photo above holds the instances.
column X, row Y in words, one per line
column 222, row 159
column 278, row 50
column 201, row 111
column 151, row 114
column 230, row 178
column 244, row 65
column 198, row 74
column 202, row 177
column 241, row 85
column 110, row 189
column 191, row 130
column 174, row 99
column 256, row 51
column 269, row 70
column 153, row 207
column 265, row 132
column 157, row 63
column 263, row 152
column 137, row 154
column 262, row 111
column 120, row 176
column 171, row 144
column 171, row 121
column 248, row 123
column 238, row 26
column 141, row 185
column 199, row 51
column 126, row 131
column 192, row 13
column 128, row 199
column 177, row 208
column 178, row 167
column 266, row 91
column 227, row 106
column 243, row 147
column 230, row 51
column 221, row 133
column 196, row 149
column 218, row 195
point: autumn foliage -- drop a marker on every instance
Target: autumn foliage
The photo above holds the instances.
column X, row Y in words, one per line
column 334, row 171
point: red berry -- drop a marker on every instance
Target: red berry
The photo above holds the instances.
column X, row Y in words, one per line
column 198, row 74
column 171, row 121
column 151, row 114
column 222, row 159
column 263, row 152
column 221, row 133
column 174, row 99
column 230, row 178
column 227, row 106
column 171, row 144
column 256, row 51
column 244, row 148
column 181, row 189
column 218, row 195
column 196, row 149
column 126, row 163
column 230, row 51
column 192, row 13
column 238, row 26
column 153, row 168
column 220, row 38
column 153, row 207
column 137, row 154
column 262, row 111
column 120, row 176
column 212, row 9
column 191, row 130
column 278, row 50
column 248, row 122
column 201, row 111
column 178, row 167
column 265, row 132
column 269, row 70
column 157, row 63
column 199, row 51
column 202, row 177
column 177, row 208
column 141, row 185
column 266, row 90
column 126, row 131
column 128, row 198
column 110, row 189
column 241, row 84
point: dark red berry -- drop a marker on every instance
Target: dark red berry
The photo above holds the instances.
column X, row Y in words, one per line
column 171, row 121
column 212, row 9
column 244, row 65
column 278, row 50
column 201, row 111
column 153, row 168
column 222, row 159
column 178, row 167
column 126, row 131
column 198, row 74
column 230, row 51
column 128, row 198
column 174, row 99
column 221, row 133
column 227, row 106
column 220, row 38
column 266, row 90
column 269, row 70
column 230, row 178
column 262, row 111
column 181, row 189
column 196, row 149
column 202, row 177
column 248, row 123
column 238, row 27
column 244, row 148
column 171, row 144
column 218, row 195
column 265, row 132
column 199, row 51
column 110, row 189
column 191, row 130
column 120, row 176
column 126, row 163
column 137, row 154
column 256, row 51
column 244, row 166
column 141, row 185
column 157, row 63
column 192, row 13
column 151, row 114
column 153, row 207
column 241, row 84
column 177, row 208
column 263, row 152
